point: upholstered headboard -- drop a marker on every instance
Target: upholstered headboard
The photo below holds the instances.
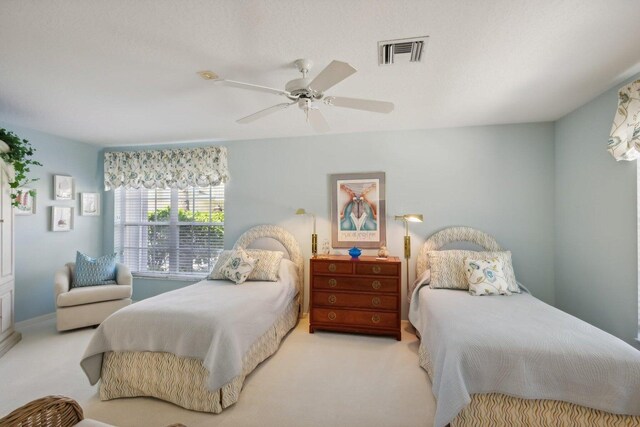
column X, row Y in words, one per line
column 449, row 235
column 260, row 234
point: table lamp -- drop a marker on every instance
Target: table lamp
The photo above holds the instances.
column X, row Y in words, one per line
column 407, row 218
column 314, row 236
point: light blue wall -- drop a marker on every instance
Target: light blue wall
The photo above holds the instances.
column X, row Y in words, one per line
column 496, row 178
column 39, row 252
column 596, row 222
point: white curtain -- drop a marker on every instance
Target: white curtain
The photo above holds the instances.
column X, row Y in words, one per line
column 174, row 168
column 624, row 142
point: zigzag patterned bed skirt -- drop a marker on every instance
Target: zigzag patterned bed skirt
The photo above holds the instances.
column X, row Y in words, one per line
column 181, row 380
column 500, row 410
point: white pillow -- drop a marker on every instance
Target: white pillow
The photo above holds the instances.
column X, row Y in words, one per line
column 266, row 268
column 448, row 270
column 486, row 276
column 238, row 266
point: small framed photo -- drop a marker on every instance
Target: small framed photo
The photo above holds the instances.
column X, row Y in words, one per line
column 63, row 187
column 26, row 198
column 61, row 218
column 90, row 204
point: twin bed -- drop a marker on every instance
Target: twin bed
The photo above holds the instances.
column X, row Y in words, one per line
column 496, row 360
column 194, row 346
column 514, row 360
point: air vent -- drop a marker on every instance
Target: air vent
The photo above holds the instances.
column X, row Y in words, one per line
column 401, row 50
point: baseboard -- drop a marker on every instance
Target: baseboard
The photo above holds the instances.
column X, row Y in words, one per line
column 35, row 320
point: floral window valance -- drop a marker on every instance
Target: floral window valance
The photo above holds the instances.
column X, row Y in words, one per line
column 624, row 142
column 174, row 168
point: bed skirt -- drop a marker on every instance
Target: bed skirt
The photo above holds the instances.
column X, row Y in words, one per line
column 501, row 410
column 182, row 380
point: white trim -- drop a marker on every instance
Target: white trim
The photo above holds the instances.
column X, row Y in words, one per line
column 35, row 320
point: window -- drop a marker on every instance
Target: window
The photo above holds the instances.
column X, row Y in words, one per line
column 169, row 233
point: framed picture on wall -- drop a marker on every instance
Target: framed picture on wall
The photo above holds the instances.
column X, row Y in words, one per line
column 63, row 187
column 61, row 218
column 358, row 210
column 26, row 198
column 90, row 204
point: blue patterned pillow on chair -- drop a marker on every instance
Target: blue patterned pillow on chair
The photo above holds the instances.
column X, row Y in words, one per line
column 94, row 271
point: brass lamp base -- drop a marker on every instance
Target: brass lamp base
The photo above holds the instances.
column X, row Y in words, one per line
column 407, row 247
column 314, row 244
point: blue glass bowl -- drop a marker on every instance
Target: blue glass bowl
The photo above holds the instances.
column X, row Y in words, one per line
column 354, row 252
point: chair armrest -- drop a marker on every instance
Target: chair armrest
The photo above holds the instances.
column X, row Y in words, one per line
column 61, row 281
column 123, row 275
column 60, row 410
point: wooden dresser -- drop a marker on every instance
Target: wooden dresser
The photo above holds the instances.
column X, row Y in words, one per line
column 355, row 295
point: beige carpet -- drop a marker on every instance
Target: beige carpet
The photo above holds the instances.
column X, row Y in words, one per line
column 321, row 379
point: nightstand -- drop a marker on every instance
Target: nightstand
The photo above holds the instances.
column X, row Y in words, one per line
column 355, row 295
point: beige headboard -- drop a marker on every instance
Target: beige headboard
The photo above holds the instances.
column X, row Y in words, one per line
column 450, row 235
column 285, row 239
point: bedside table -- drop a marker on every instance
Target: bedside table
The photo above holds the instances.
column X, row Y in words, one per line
column 355, row 295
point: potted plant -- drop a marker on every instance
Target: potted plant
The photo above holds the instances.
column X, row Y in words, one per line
column 20, row 157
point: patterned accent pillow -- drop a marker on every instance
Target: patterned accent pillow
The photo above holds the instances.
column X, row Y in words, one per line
column 266, row 269
column 238, row 266
column 486, row 276
column 448, row 270
column 94, row 271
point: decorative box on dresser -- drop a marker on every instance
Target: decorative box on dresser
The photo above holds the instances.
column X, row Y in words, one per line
column 355, row 295
column 8, row 335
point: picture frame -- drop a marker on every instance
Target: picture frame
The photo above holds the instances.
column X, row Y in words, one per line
column 26, row 198
column 64, row 187
column 61, row 218
column 90, row 204
column 358, row 212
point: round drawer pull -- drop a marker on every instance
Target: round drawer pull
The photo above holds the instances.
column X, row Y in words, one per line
column 332, row 267
column 332, row 299
column 376, row 269
column 375, row 301
column 376, row 284
column 375, row 318
column 333, row 283
column 331, row 315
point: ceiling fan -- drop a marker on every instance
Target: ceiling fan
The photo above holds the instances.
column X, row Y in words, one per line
column 308, row 93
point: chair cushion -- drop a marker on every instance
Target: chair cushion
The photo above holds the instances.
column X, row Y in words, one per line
column 91, row 294
column 94, row 271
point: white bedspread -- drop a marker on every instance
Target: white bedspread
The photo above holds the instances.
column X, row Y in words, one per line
column 213, row 320
column 521, row 347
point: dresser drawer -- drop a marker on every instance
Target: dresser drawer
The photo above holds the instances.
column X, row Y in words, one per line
column 333, row 267
column 356, row 318
column 337, row 299
column 355, row 283
column 379, row 269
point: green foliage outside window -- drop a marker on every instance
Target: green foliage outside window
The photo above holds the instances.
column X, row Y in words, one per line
column 194, row 241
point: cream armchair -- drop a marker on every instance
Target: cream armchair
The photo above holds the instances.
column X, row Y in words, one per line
column 89, row 305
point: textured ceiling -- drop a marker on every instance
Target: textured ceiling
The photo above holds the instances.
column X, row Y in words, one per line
column 123, row 72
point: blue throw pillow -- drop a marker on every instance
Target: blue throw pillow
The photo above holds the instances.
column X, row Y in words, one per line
column 94, row 271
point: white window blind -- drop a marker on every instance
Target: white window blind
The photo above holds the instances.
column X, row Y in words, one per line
column 169, row 233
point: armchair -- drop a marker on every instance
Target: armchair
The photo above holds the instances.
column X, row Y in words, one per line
column 89, row 305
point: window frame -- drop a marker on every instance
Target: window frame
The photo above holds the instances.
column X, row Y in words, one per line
column 141, row 252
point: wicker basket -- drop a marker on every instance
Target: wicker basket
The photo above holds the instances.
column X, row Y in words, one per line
column 49, row 411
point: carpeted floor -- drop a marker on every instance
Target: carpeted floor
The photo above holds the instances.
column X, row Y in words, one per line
column 321, row 379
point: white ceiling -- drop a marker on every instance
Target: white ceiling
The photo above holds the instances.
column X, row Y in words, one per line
column 123, row 72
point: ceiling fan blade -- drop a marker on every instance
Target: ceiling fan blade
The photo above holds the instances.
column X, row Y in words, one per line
column 360, row 104
column 333, row 74
column 265, row 112
column 317, row 120
column 253, row 87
